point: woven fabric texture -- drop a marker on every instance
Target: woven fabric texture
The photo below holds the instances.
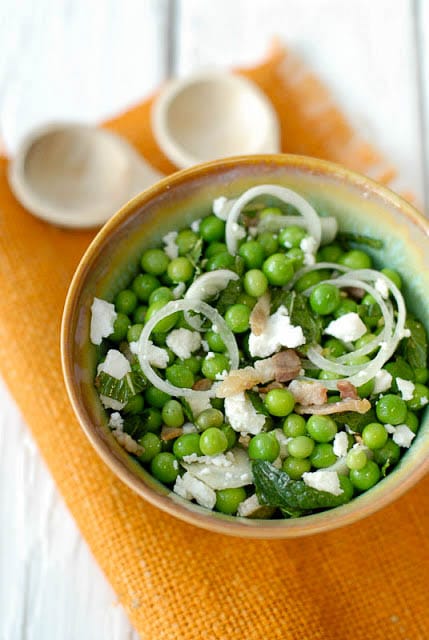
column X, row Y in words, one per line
column 368, row 581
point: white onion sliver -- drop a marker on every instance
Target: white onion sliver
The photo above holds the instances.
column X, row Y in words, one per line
column 217, row 321
column 206, row 286
column 272, row 223
column 286, row 195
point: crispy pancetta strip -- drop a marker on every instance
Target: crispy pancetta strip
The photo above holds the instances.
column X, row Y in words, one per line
column 306, row 392
column 359, row 406
column 202, row 385
column 347, row 390
column 168, row 433
column 260, row 314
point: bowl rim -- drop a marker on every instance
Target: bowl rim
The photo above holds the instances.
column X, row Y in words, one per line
column 231, row 525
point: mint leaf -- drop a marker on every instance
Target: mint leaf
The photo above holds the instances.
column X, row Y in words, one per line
column 276, row 489
column 125, row 388
column 416, row 346
column 228, row 296
column 399, row 368
column 187, row 410
column 356, row 421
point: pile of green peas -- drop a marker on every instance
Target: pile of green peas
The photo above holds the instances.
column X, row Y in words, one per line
column 267, row 261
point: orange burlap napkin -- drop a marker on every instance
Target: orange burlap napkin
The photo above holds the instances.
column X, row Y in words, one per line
column 365, row 582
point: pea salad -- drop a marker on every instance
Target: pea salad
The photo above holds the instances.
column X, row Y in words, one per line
column 259, row 364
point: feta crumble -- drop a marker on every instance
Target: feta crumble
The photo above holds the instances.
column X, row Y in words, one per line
column 278, row 332
column 308, row 246
column 242, row 415
column 110, row 403
column 189, row 427
column 238, row 232
column 283, row 443
column 221, row 208
column 103, row 316
column 171, row 248
column 406, row 387
column 403, row 436
column 199, row 404
column 219, row 460
column 238, row 474
column 183, row 342
column 191, row 488
column 323, row 480
column 115, row 364
column 382, row 288
column 348, row 327
column 157, row 356
column 382, row 381
column 116, row 421
column 341, row 444
column 195, row 226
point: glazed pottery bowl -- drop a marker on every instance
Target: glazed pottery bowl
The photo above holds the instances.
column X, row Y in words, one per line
column 359, row 204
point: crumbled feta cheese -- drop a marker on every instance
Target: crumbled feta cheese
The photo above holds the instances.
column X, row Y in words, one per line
column 406, row 387
column 210, row 355
column 191, row 488
column 403, row 436
column 205, row 345
column 171, row 248
column 188, row 427
column 406, row 333
column 237, row 230
column 348, row 327
column 238, row 474
column 110, row 403
column 341, row 444
column 423, row 401
column 221, row 208
column 389, row 428
column 249, row 506
column 283, row 442
column 278, row 332
column 116, row 421
column 115, row 364
column 183, row 342
column 382, row 288
column 127, row 442
column 195, row 226
column 242, row 415
column 323, row 480
column 103, row 316
column 308, row 246
column 382, row 381
column 222, row 375
column 199, row 404
column 179, row 290
column 253, row 232
column 157, row 356
column 219, row 460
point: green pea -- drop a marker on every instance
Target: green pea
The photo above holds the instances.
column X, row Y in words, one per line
column 364, row 340
column 231, row 435
column 186, row 241
column 154, row 261
column 255, row 283
column 346, row 306
column 334, row 348
column 310, row 279
column 412, row 421
column 215, row 248
column 214, row 365
column 120, row 328
column 264, row 446
column 237, row 318
column 268, row 242
column 295, row 467
column 186, row 445
column 172, row 414
column 180, row 376
column 252, row 253
column 212, row 229
column 166, row 324
column 139, row 315
column 421, row 375
column 249, row 301
column 365, row 478
column 209, row 418
column 228, row 500
column 279, row 402
column 151, row 444
column 356, row 459
column 328, row 375
column 222, row 260
column 346, row 486
column 134, row 331
column 420, row 397
column 389, row 454
column 391, row 409
column 161, row 293
column 294, row 425
column 323, row 456
column 126, row 301
column 393, row 276
column 134, row 405
column 356, row 259
column 152, row 419
column 180, row 270
column 213, row 441
column 366, row 389
column 296, row 256
column 374, row 435
column 291, row 236
column 321, row 428
column 270, row 211
column 301, row 447
column 330, row 253
column 278, row 269
column 215, row 341
column 193, row 363
column 155, row 397
column 164, row 467
column 325, row 298
column 143, row 285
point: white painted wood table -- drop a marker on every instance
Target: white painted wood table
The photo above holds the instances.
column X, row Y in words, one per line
column 81, row 60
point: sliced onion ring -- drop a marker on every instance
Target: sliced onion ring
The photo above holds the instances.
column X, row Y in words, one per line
column 217, row 321
column 286, row 195
column 272, row 223
column 206, row 286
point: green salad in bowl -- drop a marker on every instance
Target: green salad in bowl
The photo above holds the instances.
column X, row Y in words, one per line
column 259, row 364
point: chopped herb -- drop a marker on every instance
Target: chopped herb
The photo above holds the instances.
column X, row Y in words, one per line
column 276, row 489
column 399, row 368
column 346, row 239
column 125, row 388
column 355, row 421
column 134, row 426
column 257, row 403
column 416, row 346
column 228, row 296
column 187, row 410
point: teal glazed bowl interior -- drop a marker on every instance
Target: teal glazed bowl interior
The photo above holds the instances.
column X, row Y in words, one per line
column 112, row 259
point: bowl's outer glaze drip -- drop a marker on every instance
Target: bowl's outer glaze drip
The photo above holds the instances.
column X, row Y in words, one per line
column 359, row 204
